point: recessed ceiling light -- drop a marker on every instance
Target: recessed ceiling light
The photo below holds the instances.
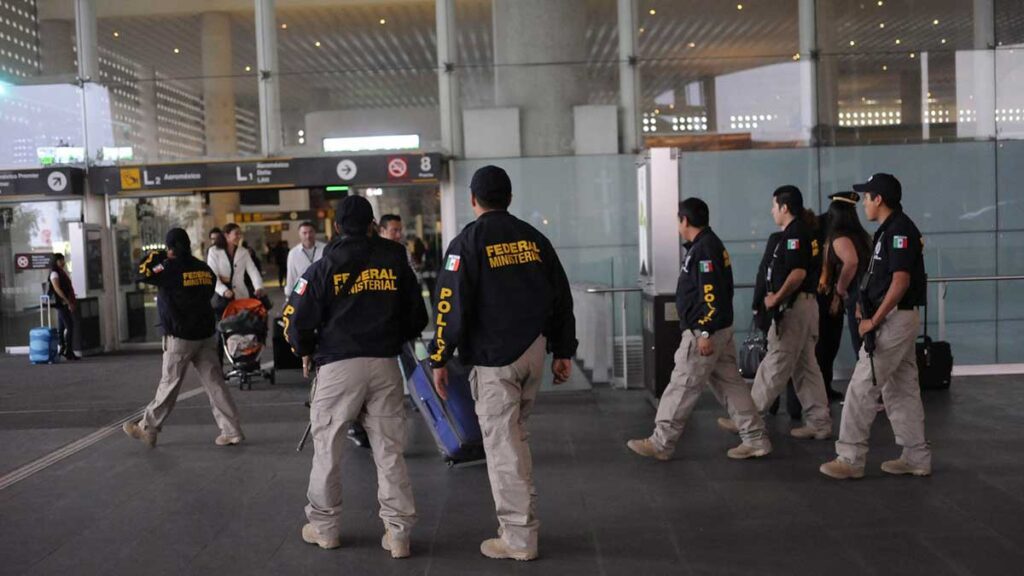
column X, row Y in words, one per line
column 884, row 67
column 383, row 21
column 176, row 51
column 796, row 56
column 652, row 11
column 248, row 68
column 881, row 24
column 912, row 55
column 943, row 40
column 898, row 41
column 935, row 22
column 117, row 34
column 853, row 43
column 641, row 30
column 880, row 3
column 739, row 6
column 317, row 43
column 284, row 26
column 692, row 44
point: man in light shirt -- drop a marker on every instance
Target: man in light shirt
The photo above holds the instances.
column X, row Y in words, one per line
column 303, row 255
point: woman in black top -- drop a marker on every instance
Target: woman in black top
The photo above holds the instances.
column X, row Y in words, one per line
column 847, row 254
column 62, row 296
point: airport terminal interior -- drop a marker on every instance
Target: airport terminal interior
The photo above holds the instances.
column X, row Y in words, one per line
column 123, row 119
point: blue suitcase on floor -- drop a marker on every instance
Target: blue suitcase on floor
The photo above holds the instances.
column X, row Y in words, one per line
column 453, row 423
column 42, row 340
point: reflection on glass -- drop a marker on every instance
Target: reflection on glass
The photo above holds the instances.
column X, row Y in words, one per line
column 140, row 225
column 40, row 124
column 29, row 228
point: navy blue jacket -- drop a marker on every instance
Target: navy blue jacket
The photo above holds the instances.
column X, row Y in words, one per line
column 500, row 287
column 332, row 318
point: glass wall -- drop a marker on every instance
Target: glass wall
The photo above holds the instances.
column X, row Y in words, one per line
column 29, row 228
column 357, row 69
column 173, row 83
column 564, row 93
column 140, row 225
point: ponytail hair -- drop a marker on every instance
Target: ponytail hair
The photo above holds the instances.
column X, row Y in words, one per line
column 810, row 219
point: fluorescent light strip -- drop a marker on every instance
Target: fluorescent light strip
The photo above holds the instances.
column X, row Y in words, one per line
column 364, row 143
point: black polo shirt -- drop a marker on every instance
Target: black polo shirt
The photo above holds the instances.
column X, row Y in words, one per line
column 705, row 287
column 797, row 249
column 899, row 247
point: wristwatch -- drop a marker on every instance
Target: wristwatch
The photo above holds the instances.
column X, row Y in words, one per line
column 704, row 334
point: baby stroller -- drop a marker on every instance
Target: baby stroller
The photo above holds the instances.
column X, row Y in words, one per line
column 243, row 333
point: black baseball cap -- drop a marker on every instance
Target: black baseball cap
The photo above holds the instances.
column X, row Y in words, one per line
column 884, row 185
column 354, row 215
column 845, row 196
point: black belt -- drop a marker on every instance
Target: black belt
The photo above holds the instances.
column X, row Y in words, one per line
column 906, row 307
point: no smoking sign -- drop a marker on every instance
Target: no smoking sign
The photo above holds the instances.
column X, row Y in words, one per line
column 398, row 168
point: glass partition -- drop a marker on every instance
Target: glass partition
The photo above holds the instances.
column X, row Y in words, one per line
column 27, row 228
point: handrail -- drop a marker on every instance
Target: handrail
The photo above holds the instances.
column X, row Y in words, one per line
column 954, row 279
column 612, row 290
column 943, row 280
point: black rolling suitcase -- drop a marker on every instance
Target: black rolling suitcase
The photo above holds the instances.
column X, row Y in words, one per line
column 934, row 361
column 284, row 359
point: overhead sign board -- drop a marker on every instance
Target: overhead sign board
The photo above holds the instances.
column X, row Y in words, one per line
column 63, row 181
column 270, row 173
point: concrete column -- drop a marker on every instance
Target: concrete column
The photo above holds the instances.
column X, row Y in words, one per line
column 709, row 92
column 271, row 138
column 448, row 79
column 925, row 105
column 910, row 96
column 530, row 35
column 808, row 63
column 219, row 104
column 88, row 50
column 629, row 78
column 826, row 76
column 57, row 47
column 218, row 86
column 984, row 25
column 149, row 138
column 983, row 69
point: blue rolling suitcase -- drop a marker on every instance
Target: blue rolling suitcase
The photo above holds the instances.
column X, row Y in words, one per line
column 42, row 341
column 453, row 423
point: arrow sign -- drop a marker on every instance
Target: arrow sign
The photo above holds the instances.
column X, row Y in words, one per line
column 347, row 169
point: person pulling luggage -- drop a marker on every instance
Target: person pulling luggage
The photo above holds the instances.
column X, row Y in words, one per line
column 707, row 352
column 503, row 301
column 349, row 315
column 186, row 285
column 893, row 288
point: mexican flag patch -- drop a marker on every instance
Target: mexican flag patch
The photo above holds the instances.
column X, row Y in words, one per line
column 793, row 244
column 706, row 266
column 453, row 263
column 900, row 242
column 300, row 286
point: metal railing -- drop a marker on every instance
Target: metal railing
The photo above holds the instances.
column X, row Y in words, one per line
column 942, row 284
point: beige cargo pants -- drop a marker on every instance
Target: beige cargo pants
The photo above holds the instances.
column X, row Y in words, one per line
column 504, row 398
column 368, row 390
column 178, row 355
column 719, row 372
column 896, row 374
column 791, row 345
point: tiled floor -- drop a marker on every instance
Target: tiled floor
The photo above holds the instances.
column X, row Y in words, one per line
column 189, row 507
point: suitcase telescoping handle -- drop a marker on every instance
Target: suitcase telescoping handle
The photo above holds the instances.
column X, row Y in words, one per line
column 44, row 300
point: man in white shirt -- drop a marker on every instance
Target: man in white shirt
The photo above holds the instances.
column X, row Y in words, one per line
column 303, row 255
